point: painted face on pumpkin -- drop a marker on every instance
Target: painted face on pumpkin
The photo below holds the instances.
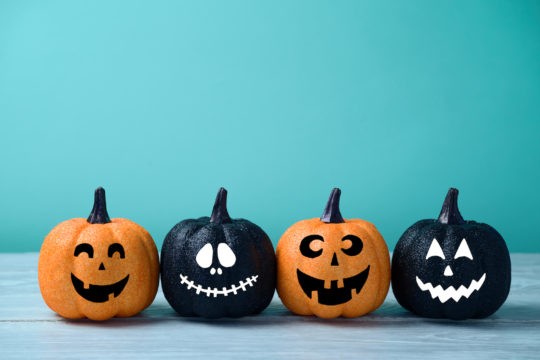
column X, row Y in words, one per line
column 97, row 269
column 340, row 290
column 331, row 266
column 459, row 290
column 218, row 266
column 450, row 267
column 216, row 262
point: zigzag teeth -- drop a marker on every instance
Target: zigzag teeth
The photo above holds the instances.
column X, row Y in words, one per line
column 451, row 293
column 214, row 292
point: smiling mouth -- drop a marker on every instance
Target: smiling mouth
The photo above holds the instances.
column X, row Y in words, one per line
column 335, row 295
column 243, row 285
column 450, row 292
column 98, row 293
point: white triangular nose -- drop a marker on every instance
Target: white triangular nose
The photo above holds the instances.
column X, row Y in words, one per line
column 448, row 271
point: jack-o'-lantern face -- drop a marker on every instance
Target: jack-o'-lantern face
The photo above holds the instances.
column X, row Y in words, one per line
column 341, row 272
column 451, row 285
column 332, row 267
column 99, row 289
column 98, row 267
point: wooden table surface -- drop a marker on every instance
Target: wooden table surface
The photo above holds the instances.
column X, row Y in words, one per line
column 28, row 329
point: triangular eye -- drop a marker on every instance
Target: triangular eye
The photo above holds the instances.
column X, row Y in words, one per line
column 463, row 250
column 204, row 256
column 435, row 250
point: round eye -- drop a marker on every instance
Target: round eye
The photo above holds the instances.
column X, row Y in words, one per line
column 356, row 245
column 225, row 254
column 305, row 246
column 204, row 256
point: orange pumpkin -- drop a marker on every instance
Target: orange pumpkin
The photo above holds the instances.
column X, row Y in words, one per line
column 332, row 267
column 97, row 267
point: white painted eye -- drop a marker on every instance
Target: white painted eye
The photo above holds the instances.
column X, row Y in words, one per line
column 204, row 256
column 225, row 255
column 435, row 250
column 463, row 250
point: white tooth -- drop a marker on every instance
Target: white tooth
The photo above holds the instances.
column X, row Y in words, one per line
column 451, row 293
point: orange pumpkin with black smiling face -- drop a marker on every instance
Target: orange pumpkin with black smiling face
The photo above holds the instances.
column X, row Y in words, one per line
column 97, row 267
column 332, row 267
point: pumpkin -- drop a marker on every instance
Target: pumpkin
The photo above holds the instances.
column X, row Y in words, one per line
column 332, row 267
column 451, row 268
column 217, row 266
column 98, row 268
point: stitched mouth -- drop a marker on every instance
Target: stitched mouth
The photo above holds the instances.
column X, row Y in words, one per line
column 335, row 295
column 243, row 285
column 451, row 292
column 98, row 293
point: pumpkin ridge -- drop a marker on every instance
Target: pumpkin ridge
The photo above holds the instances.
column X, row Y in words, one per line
column 143, row 248
column 51, row 241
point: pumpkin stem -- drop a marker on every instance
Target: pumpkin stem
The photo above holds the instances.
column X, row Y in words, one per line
column 220, row 215
column 450, row 214
column 99, row 213
column 331, row 214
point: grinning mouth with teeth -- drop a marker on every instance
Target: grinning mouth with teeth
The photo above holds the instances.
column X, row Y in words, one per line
column 98, row 293
column 450, row 292
column 224, row 291
column 335, row 295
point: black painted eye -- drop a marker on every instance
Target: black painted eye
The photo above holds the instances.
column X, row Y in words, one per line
column 356, row 245
column 116, row 247
column 84, row 247
column 305, row 248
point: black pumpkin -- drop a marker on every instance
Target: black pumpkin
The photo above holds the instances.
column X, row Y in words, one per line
column 451, row 268
column 217, row 266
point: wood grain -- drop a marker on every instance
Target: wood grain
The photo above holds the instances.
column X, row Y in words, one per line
column 28, row 329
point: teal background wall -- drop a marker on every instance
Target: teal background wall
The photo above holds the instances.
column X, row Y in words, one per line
column 163, row 102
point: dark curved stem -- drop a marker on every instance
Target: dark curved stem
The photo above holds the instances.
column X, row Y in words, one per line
column 220, row 215
column 99, row 213
column 331, row 213
column 450, row 212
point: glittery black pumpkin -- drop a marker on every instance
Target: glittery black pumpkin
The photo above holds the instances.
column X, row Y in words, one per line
column 451, row 268
column 217, row 266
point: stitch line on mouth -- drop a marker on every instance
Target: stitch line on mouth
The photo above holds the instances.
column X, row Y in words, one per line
column 209, row 291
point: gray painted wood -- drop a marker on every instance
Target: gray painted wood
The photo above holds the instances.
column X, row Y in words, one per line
column 28, row 329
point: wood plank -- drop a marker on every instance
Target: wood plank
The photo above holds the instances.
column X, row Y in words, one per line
column 28, row 329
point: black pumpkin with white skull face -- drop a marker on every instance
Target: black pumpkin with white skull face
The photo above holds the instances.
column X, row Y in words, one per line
column 217, row 266
column 451, row 268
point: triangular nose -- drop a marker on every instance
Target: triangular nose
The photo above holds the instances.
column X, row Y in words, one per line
column 101, row 267
column 334, row 260
column 448, row 271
